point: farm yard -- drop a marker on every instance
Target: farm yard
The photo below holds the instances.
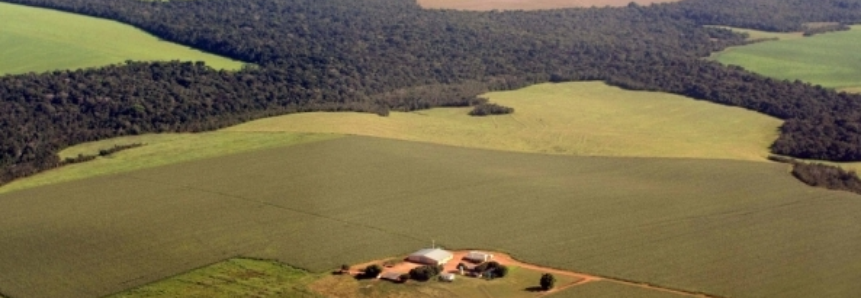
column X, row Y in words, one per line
column 244, row 277
column 37, row 40
column 688, row 224
column 830, row 59
column 527, row 4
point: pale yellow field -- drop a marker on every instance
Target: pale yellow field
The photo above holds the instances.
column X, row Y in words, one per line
column 483, row 5
column 583, row 118
column 851, row 90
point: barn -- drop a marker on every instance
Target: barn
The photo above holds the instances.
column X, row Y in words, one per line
column 430, row 256
column 478, row 257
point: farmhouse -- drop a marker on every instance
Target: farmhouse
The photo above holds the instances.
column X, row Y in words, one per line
column 478, row 257
column 430, row 256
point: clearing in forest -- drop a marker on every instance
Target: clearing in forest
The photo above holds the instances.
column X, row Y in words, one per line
column 754, row 35
column 691, row 224
column 37, row 40
column 580, row 118
column 829, row 59
column 483, row 5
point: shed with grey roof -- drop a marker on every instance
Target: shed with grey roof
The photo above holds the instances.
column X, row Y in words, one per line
column 431, row 256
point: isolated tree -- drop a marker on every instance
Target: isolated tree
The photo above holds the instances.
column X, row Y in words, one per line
column 373, row 271
column 345, row 268
column 501, row 271
column 547, row 281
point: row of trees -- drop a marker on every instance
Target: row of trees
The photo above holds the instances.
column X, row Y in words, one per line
column 823, row 175
column 380, row 55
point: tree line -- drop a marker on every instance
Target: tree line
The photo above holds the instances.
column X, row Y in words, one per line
column 380, row 55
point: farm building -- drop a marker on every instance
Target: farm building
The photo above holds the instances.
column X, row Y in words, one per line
column 430, row 256
column 478, row 257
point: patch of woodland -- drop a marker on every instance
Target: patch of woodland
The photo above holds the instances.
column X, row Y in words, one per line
column 379, row 55
column 822, row 175
column 489, row 109
column 810, row 31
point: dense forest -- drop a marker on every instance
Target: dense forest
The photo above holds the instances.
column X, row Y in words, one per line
column 380, row 55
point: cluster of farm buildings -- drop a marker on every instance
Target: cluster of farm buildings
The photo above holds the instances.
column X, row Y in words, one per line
column 441, row 257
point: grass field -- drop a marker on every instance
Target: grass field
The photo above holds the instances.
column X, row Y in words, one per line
column 229, row 279
column 37, row 40
column 582, row 118
column 730, row 228
column 527, row 4
column 831, row 60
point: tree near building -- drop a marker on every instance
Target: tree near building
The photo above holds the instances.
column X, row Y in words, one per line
column 501, row 271
column 372, row 271
column 547, row 281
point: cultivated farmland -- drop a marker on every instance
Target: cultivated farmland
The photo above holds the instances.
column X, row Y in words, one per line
column 609, row 289
column 36, row 40
column 698, row 225
column 830, row 59
column 527, row 4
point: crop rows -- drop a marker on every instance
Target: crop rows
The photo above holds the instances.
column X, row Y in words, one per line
column 729, row 228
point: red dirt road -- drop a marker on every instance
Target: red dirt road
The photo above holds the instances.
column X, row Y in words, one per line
column 484, row 5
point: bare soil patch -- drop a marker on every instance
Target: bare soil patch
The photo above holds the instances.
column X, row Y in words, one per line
column 485, row 5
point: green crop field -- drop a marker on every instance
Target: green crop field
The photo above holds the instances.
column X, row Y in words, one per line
column 724, row 227
column 229, row 279
column 609, row 289
column 583, row 118
column 37, row 40
column 831, row 60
